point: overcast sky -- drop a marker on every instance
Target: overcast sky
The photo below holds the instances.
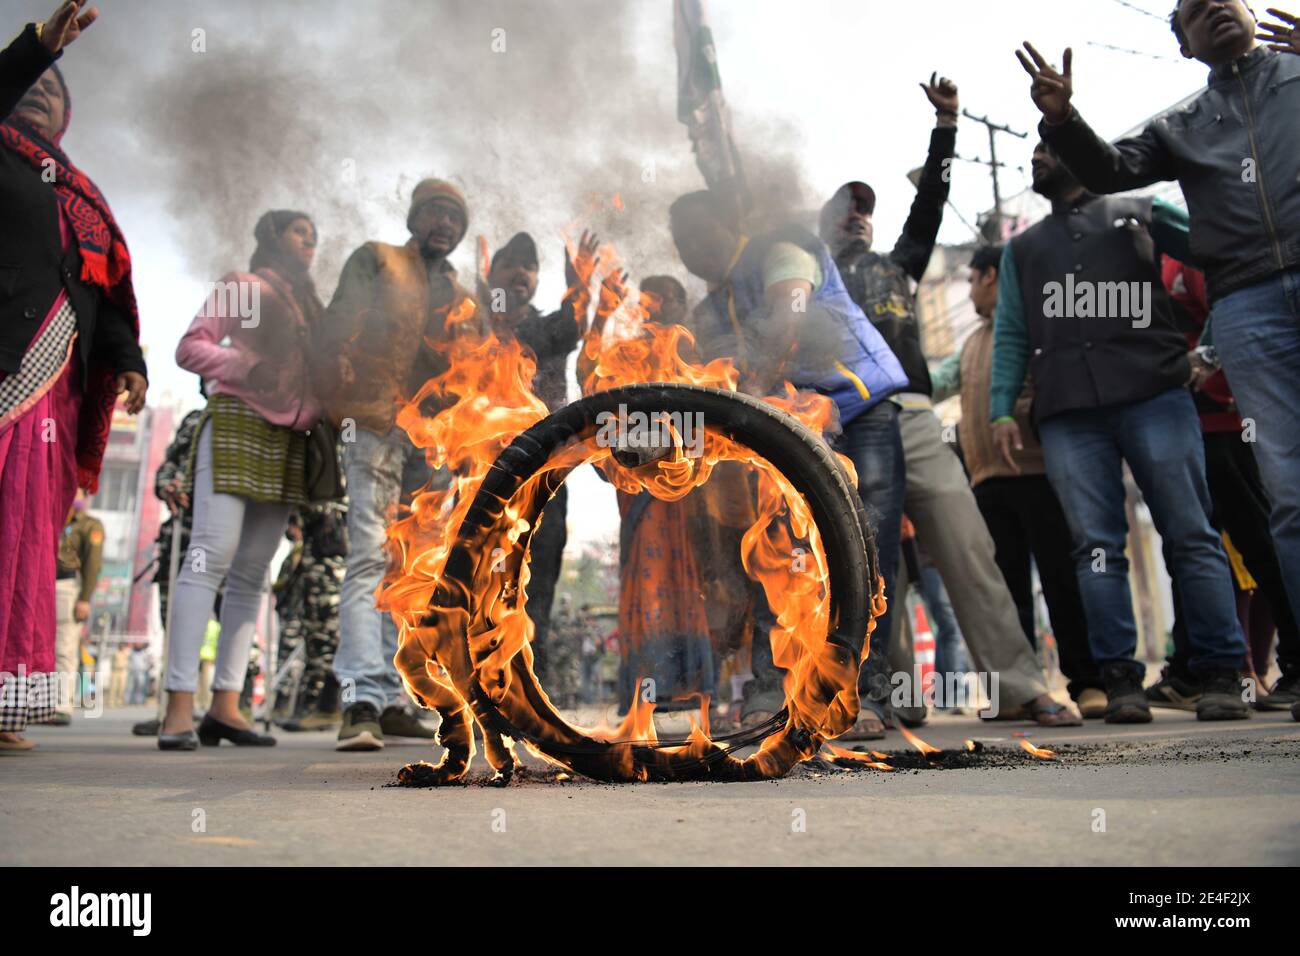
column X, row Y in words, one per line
column 338, row 107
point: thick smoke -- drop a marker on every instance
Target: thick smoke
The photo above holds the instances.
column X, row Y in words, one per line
column 542, row 113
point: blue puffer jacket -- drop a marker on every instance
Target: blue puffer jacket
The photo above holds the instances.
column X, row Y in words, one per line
column 864, row 370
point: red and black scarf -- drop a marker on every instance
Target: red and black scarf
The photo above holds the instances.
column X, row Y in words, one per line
column 105, row 262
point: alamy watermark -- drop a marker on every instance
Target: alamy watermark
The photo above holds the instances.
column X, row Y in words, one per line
column 638, row 431
column 1083, row 299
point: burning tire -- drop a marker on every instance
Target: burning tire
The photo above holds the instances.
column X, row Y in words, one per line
column 507, row 700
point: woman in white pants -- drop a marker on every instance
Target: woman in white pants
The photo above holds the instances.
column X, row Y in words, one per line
column 248, row 470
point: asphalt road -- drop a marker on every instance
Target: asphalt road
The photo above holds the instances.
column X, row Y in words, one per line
column 1175, row 792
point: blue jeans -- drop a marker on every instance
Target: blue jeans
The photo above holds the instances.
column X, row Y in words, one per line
column 949, row 648
column 873, row 443
column 380, row 470
column 1257, row 333
column 1160, row 438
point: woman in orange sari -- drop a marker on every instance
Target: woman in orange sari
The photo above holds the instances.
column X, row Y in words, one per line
column 662, row 623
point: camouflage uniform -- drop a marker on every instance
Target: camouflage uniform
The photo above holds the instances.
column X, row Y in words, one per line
column 173, row 468
column 563, row 678
column 307, row 601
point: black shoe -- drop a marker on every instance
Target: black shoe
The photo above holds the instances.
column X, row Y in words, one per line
column 58, row 720
column 213, row 731
column 1173, row 692
column 361, row 729
column 1295, row 710
column 185, row 740
column 147, row 728
column 1125, row 701
column 1221, row 698
column 1283, row 695
column 403, row 721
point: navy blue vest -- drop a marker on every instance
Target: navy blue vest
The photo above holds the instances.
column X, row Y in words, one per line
column 863, row 372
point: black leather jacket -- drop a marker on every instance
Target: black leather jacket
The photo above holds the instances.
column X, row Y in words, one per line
column 1235, row 150
column 34, row 266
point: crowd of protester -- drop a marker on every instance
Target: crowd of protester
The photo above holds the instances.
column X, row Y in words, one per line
column 1191, row 388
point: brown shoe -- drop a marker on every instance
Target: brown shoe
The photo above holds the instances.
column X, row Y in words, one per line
column 1092, row 703
column 12, row 741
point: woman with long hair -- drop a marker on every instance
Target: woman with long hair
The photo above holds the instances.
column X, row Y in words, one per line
column 250, row 343
column 69, row 346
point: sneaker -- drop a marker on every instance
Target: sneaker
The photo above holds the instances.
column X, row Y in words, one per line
column 1126, row 703
column 1173, row 692
column 1092, row 703
column 1283, row 695
column 1221, row 698
column 361, row 729
column 401, row 720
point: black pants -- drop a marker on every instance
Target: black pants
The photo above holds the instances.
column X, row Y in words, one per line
column 546, row 554
column 1026, row 521
column 1241, row 508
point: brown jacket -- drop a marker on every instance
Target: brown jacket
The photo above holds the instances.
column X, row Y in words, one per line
column 388, row 307
column 982, row 458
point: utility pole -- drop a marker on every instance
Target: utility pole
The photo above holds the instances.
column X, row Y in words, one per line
column 993, row 164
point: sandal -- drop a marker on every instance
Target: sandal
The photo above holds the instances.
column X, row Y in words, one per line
column 1048, row 713
column 868, row 726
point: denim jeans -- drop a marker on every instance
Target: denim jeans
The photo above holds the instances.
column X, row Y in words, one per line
column 233, row 541
column 1160, row 438
column 380, row 470
column 1257, row 334
column 949, row 648
column 872, row 442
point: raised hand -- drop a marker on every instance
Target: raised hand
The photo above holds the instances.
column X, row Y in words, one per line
column 65, row 25
column 580, row 273
column 942, row 93
column 613, row 290
column 1276, row 36
column 1051, row 89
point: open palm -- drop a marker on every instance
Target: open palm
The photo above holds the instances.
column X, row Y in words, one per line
column 1283, row 37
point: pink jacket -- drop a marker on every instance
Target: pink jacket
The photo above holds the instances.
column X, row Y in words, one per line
column 259, row 315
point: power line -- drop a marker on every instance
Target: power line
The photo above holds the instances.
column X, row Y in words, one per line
column 1137, row 9
column 992, row 162
column 1121, row 49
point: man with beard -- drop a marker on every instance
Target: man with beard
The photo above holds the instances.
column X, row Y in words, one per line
column 936, row 495
column 1233, row 151
column 378, row 348
column 512, row 283
column 1018, row 504
column 1082, row 308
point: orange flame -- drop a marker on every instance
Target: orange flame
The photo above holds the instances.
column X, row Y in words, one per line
column 840, row 753
column 1041, row 753
column 917, row 742
column 464, row 648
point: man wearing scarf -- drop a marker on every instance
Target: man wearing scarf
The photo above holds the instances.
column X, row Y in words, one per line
column 69, row 345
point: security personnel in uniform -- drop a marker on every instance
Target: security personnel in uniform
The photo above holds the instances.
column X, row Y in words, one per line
column 80, row 558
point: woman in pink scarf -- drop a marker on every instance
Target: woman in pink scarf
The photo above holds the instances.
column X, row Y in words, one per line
column 69, row 345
